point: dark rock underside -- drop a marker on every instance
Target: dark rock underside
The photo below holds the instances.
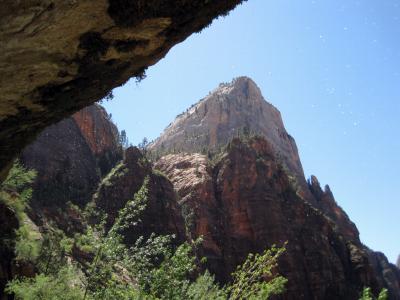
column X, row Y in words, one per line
column 59, row 56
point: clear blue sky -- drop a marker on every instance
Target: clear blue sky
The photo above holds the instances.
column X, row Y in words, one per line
column 331, row 67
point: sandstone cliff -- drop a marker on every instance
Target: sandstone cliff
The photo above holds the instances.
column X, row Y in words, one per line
column 70, row 158
column 162, row 213
column 233, row 109
column 252, row 194
column 238, row 109
column 59, row 56
column 241, row 197
column 246, row 203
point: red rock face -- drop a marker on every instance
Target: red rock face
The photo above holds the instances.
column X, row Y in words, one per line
column 240, row 199
column 191, row 176
column 256, row 195
column 327, row 204
column 100, row 134
column 233, row 109
column 70, row 159
column 387, row 273
column 162, row 214
column 246, row 203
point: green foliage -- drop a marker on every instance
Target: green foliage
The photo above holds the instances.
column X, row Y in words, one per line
column 170, row 279
column 123, row 139
column 27, row 243
column 368, row 295
column 54, row 251
column 249, row 279
column 130, row 214
column 383, row 295
column 205, row 288
column 19, row 178
column 149, row 269
column 15, row 191
column 60, row 286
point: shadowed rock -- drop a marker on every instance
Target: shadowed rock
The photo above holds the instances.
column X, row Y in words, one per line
column 70, row 158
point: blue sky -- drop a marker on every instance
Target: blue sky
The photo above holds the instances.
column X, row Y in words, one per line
column 331, row 67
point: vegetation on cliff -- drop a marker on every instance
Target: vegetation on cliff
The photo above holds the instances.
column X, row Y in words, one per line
column 97, row 264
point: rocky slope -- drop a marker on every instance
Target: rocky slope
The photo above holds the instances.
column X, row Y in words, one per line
column 387, row 273
column 162, row 214
column 231, row 110
column 247, row 202
column 70, row 158
column 252, row 194
column 80, row 161
column 241, row 197
column 239, row 109
column 59, row 56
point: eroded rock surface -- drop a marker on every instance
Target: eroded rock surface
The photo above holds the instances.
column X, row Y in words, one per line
column 162, row 214
column 252, row 194
column 246, row 203
column 387, row 272
column 233, row 109
column 70, row 158
column 242, row 198
column 59, row 56
column 326, row 203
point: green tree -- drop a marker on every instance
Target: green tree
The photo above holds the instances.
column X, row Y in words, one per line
column 254, row 278
column 61, row 286
column 16, row 191
column 123, row 139
column 151, row 268
column 368, row 295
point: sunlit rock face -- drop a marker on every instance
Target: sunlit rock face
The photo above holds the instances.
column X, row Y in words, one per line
column 233, row 109
column 238, row 171
column 237, row 109
column 70, row 158
column 59, row 56
column 246, row 203
column 241, row 199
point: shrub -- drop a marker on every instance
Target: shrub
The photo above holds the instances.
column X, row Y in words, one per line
column 249, row 279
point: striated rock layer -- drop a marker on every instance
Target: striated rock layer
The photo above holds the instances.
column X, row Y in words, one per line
column 238, row 109
column 59, row 56
column 246, row 202
column 233, row 109
column 252, row 194
column 241, row 197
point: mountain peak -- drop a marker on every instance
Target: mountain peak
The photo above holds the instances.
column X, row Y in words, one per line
column 230, row 110
column 242, row 86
